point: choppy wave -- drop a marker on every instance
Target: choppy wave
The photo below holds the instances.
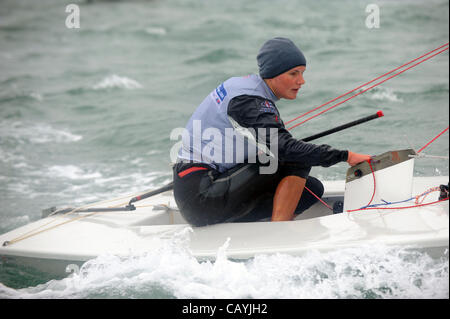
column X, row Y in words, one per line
column 115, row 81
column 81, row 184
column 383, row 94
column 155, row 31
column 13, row 222
column 35, row 133
column 172, row 271
column 71, row 172
column 215, row 56
column 13, row 92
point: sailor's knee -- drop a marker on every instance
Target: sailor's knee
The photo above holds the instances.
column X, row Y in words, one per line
column 315, row 186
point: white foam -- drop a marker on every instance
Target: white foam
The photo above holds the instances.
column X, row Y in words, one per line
column 71, row 172
column 366, row 272
column 115, row 81
column 384, row 94
column 36, row 133
column 99, row 186
column 128, row 182
column 7, row 156
column 156, row 31
column 36, row 96
column 154, row 152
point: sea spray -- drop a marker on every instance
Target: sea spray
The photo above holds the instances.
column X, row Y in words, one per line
column 116, row 81
column 171, row 271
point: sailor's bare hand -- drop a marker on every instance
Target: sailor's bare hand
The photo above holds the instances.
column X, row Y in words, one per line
column 355, row 158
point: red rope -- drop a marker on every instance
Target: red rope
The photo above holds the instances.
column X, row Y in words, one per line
column 374, row 183
column 417, row 197
column 425, row 194
column 318, row 198
column 432, row 140
column 367, row 89
column 381, row 76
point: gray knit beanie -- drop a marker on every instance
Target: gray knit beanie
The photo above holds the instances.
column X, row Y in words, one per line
column 277, row 56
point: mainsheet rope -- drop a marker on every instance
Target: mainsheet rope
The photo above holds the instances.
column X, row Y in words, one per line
column 369, row 88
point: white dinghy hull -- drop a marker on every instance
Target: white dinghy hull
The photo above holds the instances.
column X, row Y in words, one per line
column 61, row 242
column 79, row 237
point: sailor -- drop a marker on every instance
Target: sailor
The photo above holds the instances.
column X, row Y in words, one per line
column 216, row 181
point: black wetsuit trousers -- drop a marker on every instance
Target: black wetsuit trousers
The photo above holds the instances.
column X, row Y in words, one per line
column 241, row 194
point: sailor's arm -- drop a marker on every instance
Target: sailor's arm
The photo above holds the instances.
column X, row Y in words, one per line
column 256, row 112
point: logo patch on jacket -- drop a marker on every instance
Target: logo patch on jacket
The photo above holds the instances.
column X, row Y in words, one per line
column 267, row 107
column 219, row 94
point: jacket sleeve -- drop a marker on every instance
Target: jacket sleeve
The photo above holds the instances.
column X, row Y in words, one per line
column 256, row 112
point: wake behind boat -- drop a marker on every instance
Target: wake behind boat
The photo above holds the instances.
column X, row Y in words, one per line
column 379, row 203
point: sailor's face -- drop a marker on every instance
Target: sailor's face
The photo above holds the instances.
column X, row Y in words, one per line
column 287, row 84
